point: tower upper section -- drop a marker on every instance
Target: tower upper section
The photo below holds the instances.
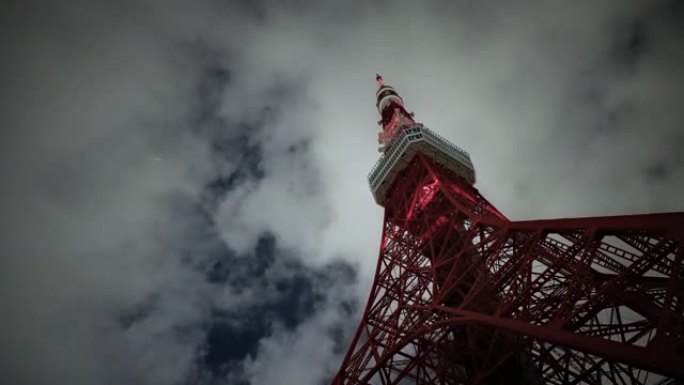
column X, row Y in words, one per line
column 402, row 138
column 393, row 115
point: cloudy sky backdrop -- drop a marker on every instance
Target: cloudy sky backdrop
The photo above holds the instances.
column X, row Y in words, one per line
column 183, row 195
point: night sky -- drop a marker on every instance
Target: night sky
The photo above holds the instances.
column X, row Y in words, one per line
column 184, row 195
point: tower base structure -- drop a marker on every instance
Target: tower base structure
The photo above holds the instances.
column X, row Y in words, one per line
column 462, row 295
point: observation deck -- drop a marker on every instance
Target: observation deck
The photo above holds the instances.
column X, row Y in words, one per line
column 401, row 151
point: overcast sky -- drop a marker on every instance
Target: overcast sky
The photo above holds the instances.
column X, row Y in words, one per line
column 184, row 195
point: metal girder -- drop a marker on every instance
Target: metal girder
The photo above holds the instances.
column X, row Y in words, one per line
column 462, row 295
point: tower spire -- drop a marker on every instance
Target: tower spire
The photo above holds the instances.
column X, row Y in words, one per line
column 393, row 115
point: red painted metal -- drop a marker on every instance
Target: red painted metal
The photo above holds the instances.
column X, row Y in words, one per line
column 462, row 295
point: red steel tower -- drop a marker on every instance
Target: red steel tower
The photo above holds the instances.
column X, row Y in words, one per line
column 463, row 295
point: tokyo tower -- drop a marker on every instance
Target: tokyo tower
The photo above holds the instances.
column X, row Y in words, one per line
column 463, row 295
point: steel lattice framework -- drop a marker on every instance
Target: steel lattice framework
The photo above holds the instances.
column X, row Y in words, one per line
column 462, row 295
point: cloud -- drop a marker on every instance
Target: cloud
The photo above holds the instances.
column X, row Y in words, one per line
column 310, row 352
column 143, row 144
column 89, row 109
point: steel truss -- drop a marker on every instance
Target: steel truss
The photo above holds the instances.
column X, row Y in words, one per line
column 462, row 295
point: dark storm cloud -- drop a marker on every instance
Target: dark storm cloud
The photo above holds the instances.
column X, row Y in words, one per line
column 184, row 195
